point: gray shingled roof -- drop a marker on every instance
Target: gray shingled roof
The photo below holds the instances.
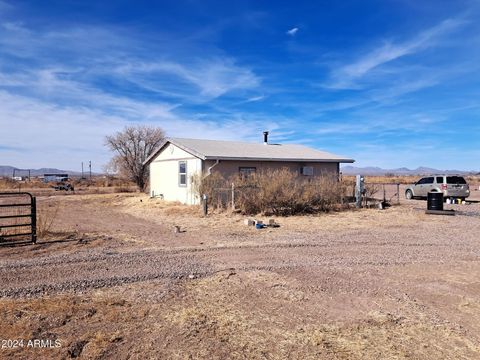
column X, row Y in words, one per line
column 236, row 150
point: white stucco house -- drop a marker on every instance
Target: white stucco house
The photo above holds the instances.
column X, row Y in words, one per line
column 174, row 163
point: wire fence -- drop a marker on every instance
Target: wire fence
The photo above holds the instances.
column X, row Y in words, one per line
column 233, row 196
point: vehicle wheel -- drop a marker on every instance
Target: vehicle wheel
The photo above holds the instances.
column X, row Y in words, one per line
column 409, row 195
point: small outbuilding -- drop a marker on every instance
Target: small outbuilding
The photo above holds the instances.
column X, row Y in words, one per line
column 177, row 160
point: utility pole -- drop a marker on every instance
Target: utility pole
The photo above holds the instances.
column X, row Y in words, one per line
column 90, row 169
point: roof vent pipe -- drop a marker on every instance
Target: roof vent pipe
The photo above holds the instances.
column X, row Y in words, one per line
column 265, row 137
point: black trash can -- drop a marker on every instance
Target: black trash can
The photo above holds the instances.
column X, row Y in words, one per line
column 435, row 201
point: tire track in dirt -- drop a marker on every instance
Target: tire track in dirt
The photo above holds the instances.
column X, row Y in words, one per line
column 96, row 268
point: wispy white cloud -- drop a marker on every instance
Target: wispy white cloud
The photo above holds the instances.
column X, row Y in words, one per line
column 292, row 31
column 214, row 77
column 67, row 135
column 75, row 44
column 54, row 100
column 370, row 121
column 64, row 136
column 346, row 76
column 115, row 53
column 255, row 98
column 48, row 86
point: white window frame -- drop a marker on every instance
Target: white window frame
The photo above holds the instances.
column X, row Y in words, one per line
column 182, row 173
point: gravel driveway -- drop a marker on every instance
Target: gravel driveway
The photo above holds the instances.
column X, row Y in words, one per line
column 420, row 267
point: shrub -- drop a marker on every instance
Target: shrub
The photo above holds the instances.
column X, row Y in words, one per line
column 275, row 192
column 215, row 186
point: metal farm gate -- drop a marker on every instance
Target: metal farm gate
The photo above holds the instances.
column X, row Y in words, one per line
column 18, row 217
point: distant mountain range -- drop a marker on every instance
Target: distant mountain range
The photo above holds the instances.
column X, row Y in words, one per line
column 371, row 170
column 347, row 170
column 8, row 171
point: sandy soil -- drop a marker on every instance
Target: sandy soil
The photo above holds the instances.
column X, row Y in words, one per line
column 114, row 280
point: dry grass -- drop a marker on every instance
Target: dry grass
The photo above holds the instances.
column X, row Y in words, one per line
column 69, row 319
column 98, row 184
column 8, row 184
column 233, row 315
column 104, row 182
column 191, row 219
column 274, row 192
column 47, row 215
column 216, row 321
column 392, row 179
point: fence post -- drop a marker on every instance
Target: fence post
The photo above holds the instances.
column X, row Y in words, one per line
column 34, row 219
column 233, row 196
column 205, row 204
column 398, row 193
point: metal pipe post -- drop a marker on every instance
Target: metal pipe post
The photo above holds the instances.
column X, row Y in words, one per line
column 205, row 204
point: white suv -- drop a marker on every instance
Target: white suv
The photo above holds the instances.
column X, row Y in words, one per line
column 452, row 186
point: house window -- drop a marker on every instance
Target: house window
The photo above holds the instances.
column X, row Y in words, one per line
column 307, row 170
column 182, row 173
column 247, row 171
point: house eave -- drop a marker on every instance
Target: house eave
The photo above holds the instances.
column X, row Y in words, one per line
column 278, row 159
column 165, row 143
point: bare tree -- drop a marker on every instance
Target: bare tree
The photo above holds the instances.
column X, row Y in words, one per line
column 133, row 146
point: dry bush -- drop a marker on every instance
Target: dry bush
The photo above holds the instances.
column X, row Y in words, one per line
column 215, row 186
column 371, row 190
column 7, row 183
column 275, row 192
column 46, row 216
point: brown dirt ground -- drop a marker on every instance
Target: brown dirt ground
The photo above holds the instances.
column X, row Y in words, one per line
column 113, row 280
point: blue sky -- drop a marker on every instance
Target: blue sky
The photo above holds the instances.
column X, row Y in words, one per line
column 390, row 83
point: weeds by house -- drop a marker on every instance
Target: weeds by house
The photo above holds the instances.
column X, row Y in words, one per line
column 275, row 192
column 213, row 185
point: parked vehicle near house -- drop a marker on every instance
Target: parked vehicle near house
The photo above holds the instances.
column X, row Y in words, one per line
column 452, row 186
